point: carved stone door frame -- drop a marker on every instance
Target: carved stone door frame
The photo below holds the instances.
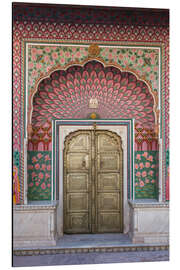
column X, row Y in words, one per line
column 123, row 128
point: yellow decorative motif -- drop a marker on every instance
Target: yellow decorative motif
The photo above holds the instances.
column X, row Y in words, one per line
column 93, row 50
column 93, row 116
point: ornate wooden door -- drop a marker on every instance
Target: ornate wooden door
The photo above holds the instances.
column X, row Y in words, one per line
column 93, row 182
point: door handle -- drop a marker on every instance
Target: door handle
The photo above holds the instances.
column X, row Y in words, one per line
column 84, row 164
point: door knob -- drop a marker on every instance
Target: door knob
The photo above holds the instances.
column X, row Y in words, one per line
column 84, row 164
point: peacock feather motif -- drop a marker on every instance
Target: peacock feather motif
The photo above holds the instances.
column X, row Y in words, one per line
column 66, row 94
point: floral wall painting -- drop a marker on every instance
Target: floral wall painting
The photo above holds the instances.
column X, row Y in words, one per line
column 60, row 64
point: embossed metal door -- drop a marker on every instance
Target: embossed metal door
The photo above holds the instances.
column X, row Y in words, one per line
column 77, row 183
column 108, row 182
column 92, row 182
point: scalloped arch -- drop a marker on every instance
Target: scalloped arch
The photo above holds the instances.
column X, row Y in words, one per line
column 65, row 93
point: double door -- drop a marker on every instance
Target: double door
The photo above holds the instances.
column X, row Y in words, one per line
column 93, row 173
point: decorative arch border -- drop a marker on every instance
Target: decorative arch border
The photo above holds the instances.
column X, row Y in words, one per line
column 154, row 94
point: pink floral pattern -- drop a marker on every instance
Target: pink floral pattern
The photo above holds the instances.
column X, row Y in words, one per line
column 144, row 61
column 39, row 176
column 146, row 174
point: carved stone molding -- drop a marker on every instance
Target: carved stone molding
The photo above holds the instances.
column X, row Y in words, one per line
column 146, row 204
column 47, row 206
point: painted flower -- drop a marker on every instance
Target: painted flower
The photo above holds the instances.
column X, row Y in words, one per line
column 152, row 181
column 141, row 184
column 46, row 58
column 47, row 157
column 133, row 58
column 62, row 60
column 121, row 56
column 48, row 185
column 37, row 184
column 138, row 156
column 33, row 50
column 145, row 154
column 144, row 174
column 41, row 175
column 152, row 55
column 54, row 55
column 151, row 173
column 147, row 181
column 141, row 165
column 48, row 167
column 43, row 186
column 67, row 54
column 140, row 61
column 148, row 69
column 147, row 164
column 39, row 51
column 155, row 68
column 39, row 155
column 78, row 54
column 138, row 174
column 47, row 175
column 136, row 166
column 153, row 166
column 34, row 159
column 37, row 166
column 43, row 167
column 140, row 52
column 150, row 158
column 47, row 49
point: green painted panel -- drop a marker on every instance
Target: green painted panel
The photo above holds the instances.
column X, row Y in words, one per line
column 39, row 175
column 146, row 174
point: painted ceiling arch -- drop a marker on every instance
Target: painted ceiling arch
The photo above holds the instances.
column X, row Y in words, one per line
column 66, row 94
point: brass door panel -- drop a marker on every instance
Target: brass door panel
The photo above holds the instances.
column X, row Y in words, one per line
column 77, row 183
column 93, row 182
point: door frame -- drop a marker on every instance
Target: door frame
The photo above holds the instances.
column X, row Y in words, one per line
column 122, row 127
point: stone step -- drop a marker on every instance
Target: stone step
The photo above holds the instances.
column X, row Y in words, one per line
column 86, row 243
